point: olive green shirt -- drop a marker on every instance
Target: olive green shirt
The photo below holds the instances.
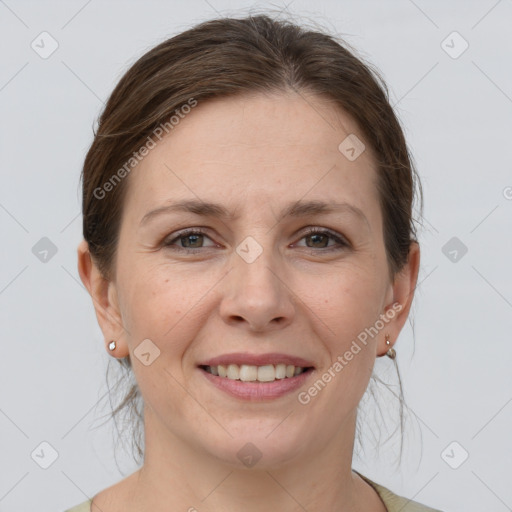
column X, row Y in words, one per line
column 392, row 501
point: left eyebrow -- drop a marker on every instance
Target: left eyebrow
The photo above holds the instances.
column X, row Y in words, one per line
column 295, row 209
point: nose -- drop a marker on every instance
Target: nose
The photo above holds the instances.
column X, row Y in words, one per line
column 257, row 295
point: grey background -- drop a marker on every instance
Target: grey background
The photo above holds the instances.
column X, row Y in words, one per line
column 457, row 114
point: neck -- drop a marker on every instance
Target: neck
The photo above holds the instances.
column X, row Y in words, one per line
column 176, row 472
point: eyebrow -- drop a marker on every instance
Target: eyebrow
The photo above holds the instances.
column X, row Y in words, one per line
column 295, row 209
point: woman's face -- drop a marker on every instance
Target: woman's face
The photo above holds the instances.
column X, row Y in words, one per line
column 253, row 281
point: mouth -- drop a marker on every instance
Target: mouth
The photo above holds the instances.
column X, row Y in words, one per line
column 253, row 373
column 256, row 377
column 248, row 367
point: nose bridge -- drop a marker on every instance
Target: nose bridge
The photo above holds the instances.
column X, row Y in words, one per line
column 257, row 293
column 255, row 266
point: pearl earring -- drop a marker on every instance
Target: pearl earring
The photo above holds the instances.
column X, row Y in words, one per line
column 112, row 345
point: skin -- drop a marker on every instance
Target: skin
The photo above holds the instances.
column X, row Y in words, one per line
column 253, row 155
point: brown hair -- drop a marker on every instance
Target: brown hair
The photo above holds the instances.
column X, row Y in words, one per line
column 226, row 57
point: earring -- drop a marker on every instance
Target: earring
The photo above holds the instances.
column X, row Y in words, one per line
column 112, row 345
column 391, row 353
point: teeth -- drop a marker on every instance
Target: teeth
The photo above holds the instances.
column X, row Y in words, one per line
column 249, row 373
column 233, row 372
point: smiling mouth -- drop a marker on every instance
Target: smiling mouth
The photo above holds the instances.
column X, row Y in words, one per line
column 251, row 373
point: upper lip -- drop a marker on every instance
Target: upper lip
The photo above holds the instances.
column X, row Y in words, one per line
column 240, row 358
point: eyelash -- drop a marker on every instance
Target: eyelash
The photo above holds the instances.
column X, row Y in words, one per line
column 342, row 243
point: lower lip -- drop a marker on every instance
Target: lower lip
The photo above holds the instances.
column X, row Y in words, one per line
column 257, row 391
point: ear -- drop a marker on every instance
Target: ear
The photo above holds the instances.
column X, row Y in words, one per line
column 403, row 289
column 105, row 300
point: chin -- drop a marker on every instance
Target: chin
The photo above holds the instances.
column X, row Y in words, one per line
column 260, row 449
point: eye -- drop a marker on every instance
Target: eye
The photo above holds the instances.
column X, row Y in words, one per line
column 192, row 239
column 319, row 239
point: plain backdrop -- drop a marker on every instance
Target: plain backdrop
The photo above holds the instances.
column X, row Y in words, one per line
column 448, row 68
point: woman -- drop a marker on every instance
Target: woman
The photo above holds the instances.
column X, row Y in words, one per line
column 250, row 250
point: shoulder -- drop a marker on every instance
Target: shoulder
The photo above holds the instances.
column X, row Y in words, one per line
column 83, row 507
column 394, row 502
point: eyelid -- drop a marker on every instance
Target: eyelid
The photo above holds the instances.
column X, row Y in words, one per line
column 338, row 237
column 173, row 237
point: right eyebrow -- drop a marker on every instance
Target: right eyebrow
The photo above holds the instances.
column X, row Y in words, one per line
column 191, row 206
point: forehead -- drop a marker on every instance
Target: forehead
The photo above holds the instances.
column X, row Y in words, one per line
column 255, row 150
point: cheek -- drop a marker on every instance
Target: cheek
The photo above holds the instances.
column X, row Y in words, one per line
column 347, row 306
column 347, row 298
column 163, row 305
column 163, row 302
